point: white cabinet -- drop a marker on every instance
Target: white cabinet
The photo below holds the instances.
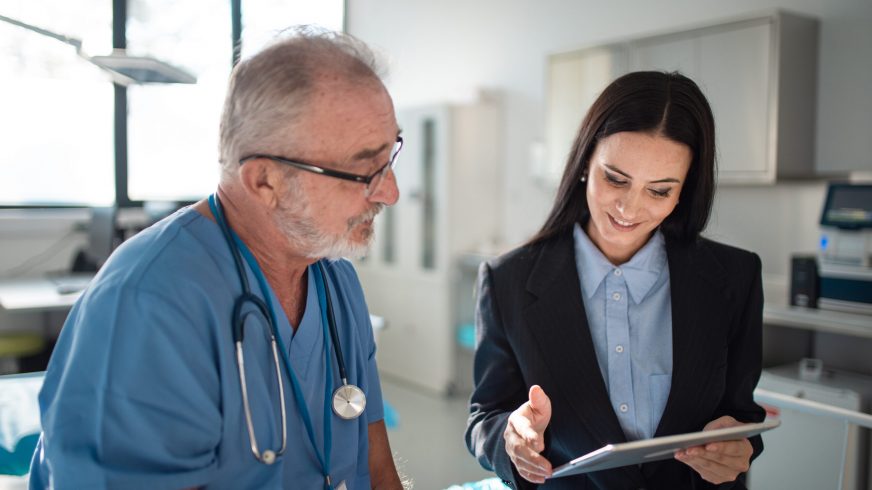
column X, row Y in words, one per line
column 759, row 74
column 575, row 80
column 734, row 69
column 450, row 185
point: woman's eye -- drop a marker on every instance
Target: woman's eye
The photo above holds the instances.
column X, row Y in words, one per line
column 659, row 193
column 611, row 179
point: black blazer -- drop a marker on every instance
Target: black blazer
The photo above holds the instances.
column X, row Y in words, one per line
column 531, row 328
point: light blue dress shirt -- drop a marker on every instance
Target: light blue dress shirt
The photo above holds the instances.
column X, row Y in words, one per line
column 630, row 318
column 142, row 391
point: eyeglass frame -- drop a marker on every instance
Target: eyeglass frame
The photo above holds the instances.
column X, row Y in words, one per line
column 338, row 174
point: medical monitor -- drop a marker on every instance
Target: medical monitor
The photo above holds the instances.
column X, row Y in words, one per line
column 848, row 206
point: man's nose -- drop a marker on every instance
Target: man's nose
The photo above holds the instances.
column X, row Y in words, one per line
column 387, row 191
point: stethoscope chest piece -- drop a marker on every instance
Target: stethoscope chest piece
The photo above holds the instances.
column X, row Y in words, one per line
column 268, row 457
column 348, row 401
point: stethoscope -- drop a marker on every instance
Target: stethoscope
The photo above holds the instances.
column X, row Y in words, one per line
column 348, row 400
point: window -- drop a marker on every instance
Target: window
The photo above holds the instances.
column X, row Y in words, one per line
column 173, row 129
column 59, row 114
column 57, row 122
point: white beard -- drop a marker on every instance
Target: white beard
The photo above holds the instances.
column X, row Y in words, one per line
column 301, row 229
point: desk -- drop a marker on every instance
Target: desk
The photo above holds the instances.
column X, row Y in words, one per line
column 43, row 295
column 38, row 294
column 838, row 322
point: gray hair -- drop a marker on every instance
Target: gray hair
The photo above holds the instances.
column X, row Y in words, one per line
column 268, row 91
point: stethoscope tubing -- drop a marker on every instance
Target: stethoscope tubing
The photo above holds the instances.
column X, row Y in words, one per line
column 268, row 456
column 349, row 401
column 331, row 320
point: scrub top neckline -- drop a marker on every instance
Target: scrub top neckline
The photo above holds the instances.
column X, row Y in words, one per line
column 299, row 345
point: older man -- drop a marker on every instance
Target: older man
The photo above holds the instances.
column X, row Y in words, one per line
column 165, row 374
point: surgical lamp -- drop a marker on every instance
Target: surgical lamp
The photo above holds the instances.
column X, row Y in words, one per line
column 125, row 69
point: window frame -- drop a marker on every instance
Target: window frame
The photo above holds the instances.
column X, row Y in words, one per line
column 120, row 117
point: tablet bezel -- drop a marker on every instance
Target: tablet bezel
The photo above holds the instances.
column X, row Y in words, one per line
column 656, row 449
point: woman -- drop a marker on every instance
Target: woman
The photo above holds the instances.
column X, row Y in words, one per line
column 617, row 321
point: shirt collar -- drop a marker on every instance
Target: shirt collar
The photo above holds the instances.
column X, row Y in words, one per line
column 640, row 273
column 592, row 265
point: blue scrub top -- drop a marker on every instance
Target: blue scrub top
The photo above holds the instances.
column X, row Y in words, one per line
column 142, row 390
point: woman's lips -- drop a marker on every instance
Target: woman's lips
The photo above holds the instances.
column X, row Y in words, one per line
column 622, row 225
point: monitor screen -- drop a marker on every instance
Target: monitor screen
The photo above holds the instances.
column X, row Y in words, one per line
column 848, row 206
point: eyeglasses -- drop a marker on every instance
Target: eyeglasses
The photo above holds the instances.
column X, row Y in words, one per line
column 372, row 181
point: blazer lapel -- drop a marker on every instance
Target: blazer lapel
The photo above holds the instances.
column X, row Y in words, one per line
column 697, row 283
column 558, row 321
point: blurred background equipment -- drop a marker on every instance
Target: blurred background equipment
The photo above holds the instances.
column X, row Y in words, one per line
column 846, row 248
column 125, row 70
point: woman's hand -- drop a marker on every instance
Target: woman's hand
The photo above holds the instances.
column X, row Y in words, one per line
column 719, row 462
column 525, row 436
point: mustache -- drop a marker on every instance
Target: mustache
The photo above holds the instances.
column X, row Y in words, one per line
column 367, row 216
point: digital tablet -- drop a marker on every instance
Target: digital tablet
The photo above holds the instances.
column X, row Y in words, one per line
column 638, row 452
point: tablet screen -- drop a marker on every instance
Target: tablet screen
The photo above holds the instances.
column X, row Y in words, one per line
column 645, row 451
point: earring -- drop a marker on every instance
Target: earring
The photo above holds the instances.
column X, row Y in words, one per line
column 584, row 177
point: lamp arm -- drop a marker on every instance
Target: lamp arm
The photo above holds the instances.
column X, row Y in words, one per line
column 76, row 43
column 124, row 69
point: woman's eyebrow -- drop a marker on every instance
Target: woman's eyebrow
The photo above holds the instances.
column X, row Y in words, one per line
column 669, row 180
column 617, row 170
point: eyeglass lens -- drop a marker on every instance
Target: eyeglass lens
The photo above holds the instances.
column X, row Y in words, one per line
column 377, row 180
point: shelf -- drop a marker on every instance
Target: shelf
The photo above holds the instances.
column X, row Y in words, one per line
column 836, row 322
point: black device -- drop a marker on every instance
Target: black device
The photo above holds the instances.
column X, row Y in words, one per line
column 804, row 281
column 101, row 240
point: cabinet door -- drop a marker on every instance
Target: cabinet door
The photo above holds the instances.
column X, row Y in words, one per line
column 672, row 53
column 731, row 64
column 734, row 73
column 417, row 218
column 575, row 80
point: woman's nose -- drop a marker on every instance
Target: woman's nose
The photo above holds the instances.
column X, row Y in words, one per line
column 627, row 205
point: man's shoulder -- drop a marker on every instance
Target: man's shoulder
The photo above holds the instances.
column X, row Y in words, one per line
column 172, row 247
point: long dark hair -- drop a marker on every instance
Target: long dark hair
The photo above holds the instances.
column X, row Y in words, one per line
column 667, row 104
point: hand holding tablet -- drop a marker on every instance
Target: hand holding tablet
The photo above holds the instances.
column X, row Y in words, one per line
column 658, row 448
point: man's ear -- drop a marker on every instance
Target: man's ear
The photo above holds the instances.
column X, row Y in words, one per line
column 261, row 181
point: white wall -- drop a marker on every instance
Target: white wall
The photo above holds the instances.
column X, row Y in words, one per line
column 446, row 50
column 773, row 221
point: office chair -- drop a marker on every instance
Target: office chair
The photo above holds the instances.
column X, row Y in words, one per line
column 18, row 345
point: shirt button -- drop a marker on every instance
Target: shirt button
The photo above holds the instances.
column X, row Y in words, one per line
column 624, row 407
column 619, row 349
column 616, row 296
column 618, row 272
